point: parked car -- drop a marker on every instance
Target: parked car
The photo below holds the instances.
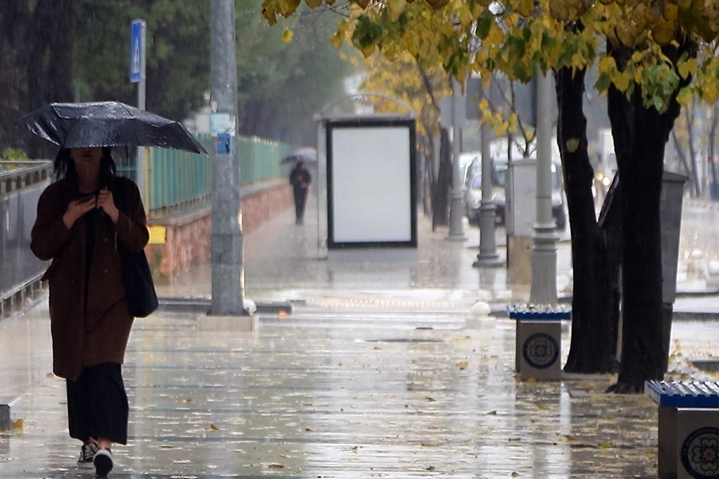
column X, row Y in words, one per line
column 473, row 198
column 473, row 193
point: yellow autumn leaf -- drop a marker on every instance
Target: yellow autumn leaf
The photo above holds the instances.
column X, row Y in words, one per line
column 688, row 67
column 621, row 81
column 607, row 65
column 313, row 3
column 671, row 12
column 572, row 145
column 685, row 96
column 368, row 51
column 513, row 123
column 337, row 39
column 627, row 34
column 664, row 32
column 396, row 7
column 638, row 74
column 287, row 36
column 525, row 7
column 709, row 92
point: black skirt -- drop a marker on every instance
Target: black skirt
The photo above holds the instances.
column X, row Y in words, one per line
column 97, row 404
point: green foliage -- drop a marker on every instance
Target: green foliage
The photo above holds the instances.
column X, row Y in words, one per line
column 13, row 154
column 177, row 53
column 281, row 85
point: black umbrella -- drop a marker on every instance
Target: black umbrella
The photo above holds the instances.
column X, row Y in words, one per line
column 108, row 123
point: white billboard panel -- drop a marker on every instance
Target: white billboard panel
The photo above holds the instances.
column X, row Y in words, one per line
column 370, row 184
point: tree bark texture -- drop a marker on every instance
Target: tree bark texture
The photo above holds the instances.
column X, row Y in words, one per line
column 641, row 166
column 593, row 337
column 444, row 182
column 641, row 176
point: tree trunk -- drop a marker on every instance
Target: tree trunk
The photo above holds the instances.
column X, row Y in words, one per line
column 440, row 202
column 641, row 166
column 641, row 176
column 14, row 24
column 710, row 153
column 593, row 337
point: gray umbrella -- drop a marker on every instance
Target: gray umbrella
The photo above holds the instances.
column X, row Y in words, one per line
column 110, row 123
column 307, row 154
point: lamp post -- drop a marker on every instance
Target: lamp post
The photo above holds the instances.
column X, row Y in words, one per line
column 544, row 249
column 456, row 206
column 487, row 208
column 227, row 240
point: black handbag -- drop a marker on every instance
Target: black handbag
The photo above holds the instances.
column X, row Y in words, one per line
column 136, row 275
column 139, row 287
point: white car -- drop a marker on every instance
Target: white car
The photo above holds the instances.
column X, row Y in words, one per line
column 473, row 194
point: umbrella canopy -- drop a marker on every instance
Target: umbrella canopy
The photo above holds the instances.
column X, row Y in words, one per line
column 308, row 155
column 108, row 123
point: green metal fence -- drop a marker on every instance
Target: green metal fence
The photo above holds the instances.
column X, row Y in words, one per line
column 176, row 180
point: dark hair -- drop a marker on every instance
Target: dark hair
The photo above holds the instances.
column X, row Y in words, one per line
column 64, row 167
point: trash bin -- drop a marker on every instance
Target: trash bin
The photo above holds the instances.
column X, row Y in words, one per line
column 714, row 190
column 671, row 219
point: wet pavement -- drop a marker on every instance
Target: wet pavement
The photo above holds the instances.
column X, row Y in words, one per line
column 380, row 370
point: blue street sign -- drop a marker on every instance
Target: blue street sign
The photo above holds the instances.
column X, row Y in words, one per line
column 136, row 51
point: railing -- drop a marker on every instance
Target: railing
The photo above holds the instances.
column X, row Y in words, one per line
column 21, row 183
column 177, row 180
column 18, row 174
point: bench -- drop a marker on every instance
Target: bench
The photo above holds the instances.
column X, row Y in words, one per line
column 688, row 428
column 538, row 340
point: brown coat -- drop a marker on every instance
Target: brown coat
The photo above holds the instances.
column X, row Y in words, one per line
column 91, row 330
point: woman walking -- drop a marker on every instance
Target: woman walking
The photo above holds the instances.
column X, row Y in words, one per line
column 79, row 227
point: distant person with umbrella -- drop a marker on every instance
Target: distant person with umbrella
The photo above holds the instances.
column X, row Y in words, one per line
column 300, row 179
column 87, row 221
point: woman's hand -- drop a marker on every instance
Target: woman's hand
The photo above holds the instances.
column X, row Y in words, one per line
column 76, row 209
column 107, row 203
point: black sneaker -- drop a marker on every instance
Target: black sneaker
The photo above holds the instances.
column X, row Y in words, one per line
column 103, row 462
column 87, row 454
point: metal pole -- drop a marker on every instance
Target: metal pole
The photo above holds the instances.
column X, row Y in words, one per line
column 544, row 250
column 456, row 214
column 141, row 104
column 227, row 240
column 487, row 208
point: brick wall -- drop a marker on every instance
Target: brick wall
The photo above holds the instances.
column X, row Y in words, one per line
column 188, row 234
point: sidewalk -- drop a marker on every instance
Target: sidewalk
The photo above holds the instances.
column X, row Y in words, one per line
column 380, row 371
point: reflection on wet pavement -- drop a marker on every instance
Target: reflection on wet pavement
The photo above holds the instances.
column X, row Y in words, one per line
column 377, row 397
column 381, row 371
